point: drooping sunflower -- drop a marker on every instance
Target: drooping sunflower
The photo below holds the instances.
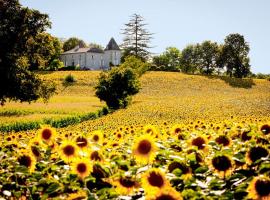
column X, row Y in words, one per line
column 81, row 167
column 153, row 180
column 68, row 150
column 186, row 170
column 166, row 194
column 125, row 185
column 28, row 160
column 144, row 149
column 256, row 153
column 259, row 188
column 47, row 134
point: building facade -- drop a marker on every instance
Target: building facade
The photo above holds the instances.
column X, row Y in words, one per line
column 93, row 58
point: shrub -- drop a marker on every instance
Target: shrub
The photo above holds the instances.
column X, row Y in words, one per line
column 116, row 87
column 55, row 65
column 69, row 79
column 135, row 63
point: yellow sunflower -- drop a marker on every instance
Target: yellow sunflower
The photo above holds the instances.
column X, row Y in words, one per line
column 166, row 194
column 200, row 142
column 68, row 150
column 259, row 188
column 153, row 180
column 144, row 149
column 96, row 155
column 28, row 160
column 151, row 130
column 81, row 166
column 125, row 185
column 47, row 134
column 96, row 137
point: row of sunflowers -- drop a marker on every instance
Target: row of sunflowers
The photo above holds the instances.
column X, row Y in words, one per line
column 167, row 162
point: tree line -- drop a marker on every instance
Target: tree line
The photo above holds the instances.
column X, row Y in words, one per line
column 230, row 58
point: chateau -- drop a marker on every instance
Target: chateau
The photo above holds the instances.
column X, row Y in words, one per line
column 93, row 58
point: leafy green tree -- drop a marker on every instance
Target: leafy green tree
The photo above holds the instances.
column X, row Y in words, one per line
column 135, row 63
column 208, row 55
column 190, row 58
column 115, row 87
column 42, row 50
column 136, row 38
column 234, row 56
column 18, row 25
column 169, row 60
column 72, row 42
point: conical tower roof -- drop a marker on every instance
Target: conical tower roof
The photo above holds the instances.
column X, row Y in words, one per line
column 112, row 45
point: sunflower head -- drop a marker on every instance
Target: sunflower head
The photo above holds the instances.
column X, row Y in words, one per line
column 222, row 163
column 200, row 142
column 27, row 160
column 153, row 180
column 82, row 142
column 144, row 149
column 96, row 156
column 166, row 194
column 265, row 129
column 68, row 150
column 223, row 140
column 46, row 134
column 81, row 167
column 256, row 153
column 97, row 137
column 259, row 188
column 125, row 185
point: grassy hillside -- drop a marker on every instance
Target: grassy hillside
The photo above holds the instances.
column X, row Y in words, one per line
column 165, row 97
column 179, row 98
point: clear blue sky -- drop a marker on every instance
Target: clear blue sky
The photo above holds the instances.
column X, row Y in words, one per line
column 174, row 22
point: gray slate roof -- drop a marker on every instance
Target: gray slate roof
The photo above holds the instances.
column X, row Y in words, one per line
column 112, row 45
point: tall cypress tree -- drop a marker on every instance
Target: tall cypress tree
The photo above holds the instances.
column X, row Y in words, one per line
column 136, row 38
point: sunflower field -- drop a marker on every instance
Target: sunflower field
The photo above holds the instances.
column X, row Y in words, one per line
column 184, row 137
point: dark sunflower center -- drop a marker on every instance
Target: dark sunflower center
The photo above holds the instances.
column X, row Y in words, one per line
column 245, row 136
column 46, row 134
column 81, row 142
column 81, row 167
column 262, row 187
column 144, row 147
column 95, row 138
column 265, row 129
column 223, row 140
column 25, row 160
column 257, row 153
column 95, row 156
column 155, row 179
column 69, row 150
column 149, row 130
column 199, row 142
column 221, row 163
column 119, row 135
column 165, row 197
column 127, row 182
column 177, row 130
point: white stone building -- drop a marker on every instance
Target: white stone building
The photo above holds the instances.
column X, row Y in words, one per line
column 93, row 58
